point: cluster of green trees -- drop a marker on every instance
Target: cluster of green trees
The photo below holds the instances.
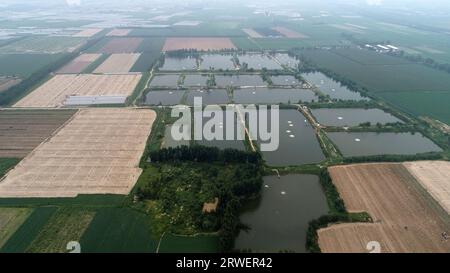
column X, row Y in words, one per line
column 266, row 77
column 334, row 199
column 198, row 153
column 187, row 177
column 422, row 60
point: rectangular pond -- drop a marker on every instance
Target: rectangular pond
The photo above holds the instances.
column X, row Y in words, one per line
column 279, row 219
column 164, row 97
column 368, row 143
column 258, row 61
column 195, row 80
column 331, row 87
column 211, row 96
column 179, row 64
column 216, row 62
column 352, row 116
column 239, row 80
column 285, row 80
column 298, row 142
column 165, row 81
column 224, row 144
column 272, row 95
column 287, row 60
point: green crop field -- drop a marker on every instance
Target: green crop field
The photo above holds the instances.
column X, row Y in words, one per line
column 151, row 45
column 431, row 104
column 189, row 31
column 189, row 244
column 23, row 65
column 66, row 225
column 381, row 78
column 145, row 62
column 28, row 231
column 119, row 230
column 10, row 220
column 6, row 164
column 43, row 44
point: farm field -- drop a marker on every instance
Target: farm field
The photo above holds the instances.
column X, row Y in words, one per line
column 97, row 152
column 28, row 231
column 87, row 33
column 23, row 130
column 433, row 176
column 118, row 63
column 405, row 219
column 7, row 82
column 79, row 64
column 145, row 61
column 55, row 91
column 119, row 32
column 121, row 45
column 65, row 225
column 200, row 44
column 382, row 78
column 24, row 65
column 119, row 230
column 6, row 164
column 10, row 220
column 289, row 33
column 428, row 104
column 44, row 44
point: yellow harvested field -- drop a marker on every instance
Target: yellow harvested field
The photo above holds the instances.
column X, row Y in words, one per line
column 406, row 218
column 97, row 152
column 434, row 176
column 86, row 33
column 118, row 63
column 54, row 92
column 119, row 32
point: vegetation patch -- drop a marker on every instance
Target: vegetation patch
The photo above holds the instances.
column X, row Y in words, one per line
column 66, row 225
column 180, row 180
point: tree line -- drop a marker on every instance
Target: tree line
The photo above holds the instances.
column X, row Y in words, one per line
column 200, row 153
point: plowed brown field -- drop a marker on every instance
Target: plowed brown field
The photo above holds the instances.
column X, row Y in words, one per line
column 97, row 152
column 406, row 218
column 23, row 130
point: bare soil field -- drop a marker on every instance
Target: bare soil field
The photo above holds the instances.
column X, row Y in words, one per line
column 97, row 152
column 54, row 92
column 8, row 82
column 288, row 33
column 10, row 220
column 88, row 32
column 23, row 130
column 119, row 32
column 405, row 218
column 122, row 45
column 434, row 176
column 201, row 44
column 118, row 63
column 79, row 64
